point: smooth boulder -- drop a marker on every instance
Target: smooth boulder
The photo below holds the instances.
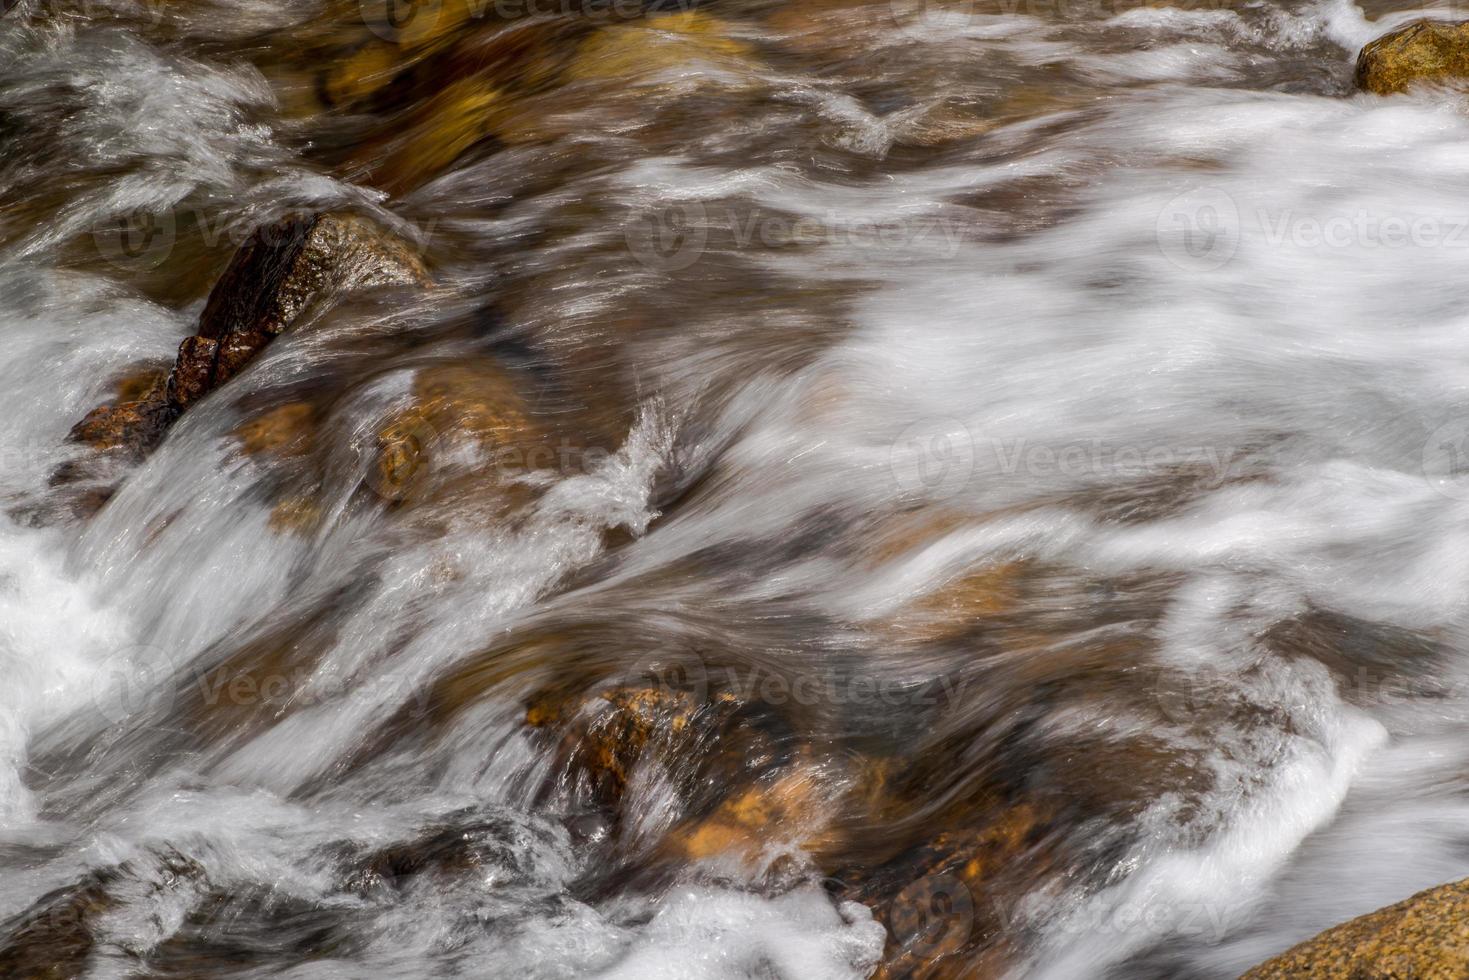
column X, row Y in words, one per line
column 1423, row 51
column 1425, row 937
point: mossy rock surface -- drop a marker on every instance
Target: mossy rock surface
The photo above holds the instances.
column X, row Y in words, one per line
column 1423, row 51
column 1425, row 937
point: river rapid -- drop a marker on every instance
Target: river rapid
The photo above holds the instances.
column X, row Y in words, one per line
column 987, row 500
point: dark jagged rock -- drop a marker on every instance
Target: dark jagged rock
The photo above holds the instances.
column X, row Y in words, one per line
column 286, row 268
column 1423, row 51
column 54, row 938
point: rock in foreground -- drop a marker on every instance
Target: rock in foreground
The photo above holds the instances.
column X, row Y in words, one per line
column 284, row 269
column 1423, row 51
column 302, row 262
column 1425, row 937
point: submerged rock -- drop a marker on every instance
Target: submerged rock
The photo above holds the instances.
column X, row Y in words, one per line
column 1423, row 936
column 1423, row 51
column 669, row 42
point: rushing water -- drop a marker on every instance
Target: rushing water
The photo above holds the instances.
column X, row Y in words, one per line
column 1038, row 420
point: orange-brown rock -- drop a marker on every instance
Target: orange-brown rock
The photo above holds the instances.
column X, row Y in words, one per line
column 659, row 43
column 361, row 74
column 296, row 514
column 471, row 93
column 473, row 404
column 285, row 430
column 792, row 808
column 1425, row 937
column 606, row 734
column 130, row 427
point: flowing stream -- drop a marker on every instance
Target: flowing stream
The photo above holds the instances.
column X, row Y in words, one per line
column 986, row 498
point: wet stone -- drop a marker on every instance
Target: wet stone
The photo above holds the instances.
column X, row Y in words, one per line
column 1423, row 51
column 303, row 262
column 1425, row 936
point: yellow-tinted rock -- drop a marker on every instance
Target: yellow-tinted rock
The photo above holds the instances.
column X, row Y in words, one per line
column 448, row 124
column 607, row 733
column 658, row 44
column 284, row 430
column 475, row 401
column 140, row 382
column 1423, row 51
column 361, row 74
column 958, row 605
column 295, row 515
column 434, row 20
column 1425, row 937
column 793, row 809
